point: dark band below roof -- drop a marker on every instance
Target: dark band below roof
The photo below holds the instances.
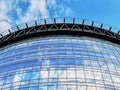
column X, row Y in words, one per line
column 59, row 26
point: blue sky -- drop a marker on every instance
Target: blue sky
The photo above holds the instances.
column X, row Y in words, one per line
column 15, row 12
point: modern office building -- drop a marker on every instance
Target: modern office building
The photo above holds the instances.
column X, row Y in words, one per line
column 60, row 54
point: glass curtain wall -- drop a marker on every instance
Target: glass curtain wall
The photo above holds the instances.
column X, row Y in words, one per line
column 60, row 63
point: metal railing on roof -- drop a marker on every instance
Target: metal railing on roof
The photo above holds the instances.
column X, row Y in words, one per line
column 60, row 20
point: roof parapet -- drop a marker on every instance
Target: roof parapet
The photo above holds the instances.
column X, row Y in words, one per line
column 63, row 26
column 61, row 20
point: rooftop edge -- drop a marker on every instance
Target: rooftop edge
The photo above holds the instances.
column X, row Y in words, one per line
column 64, row 26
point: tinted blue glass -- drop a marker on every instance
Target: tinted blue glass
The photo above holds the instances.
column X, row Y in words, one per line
column 60, row 63
column 34, row 88
column 25, row 88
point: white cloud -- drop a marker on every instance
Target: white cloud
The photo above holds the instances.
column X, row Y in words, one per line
column 37, row 9
column 4, row 26
column 39, row 6
column 51, row 4
column 3, row 10
column 4, row 18
column 68, row 11
column 12, row 14
column 63, row 10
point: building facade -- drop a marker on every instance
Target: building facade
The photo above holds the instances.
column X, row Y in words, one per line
column 60, row 54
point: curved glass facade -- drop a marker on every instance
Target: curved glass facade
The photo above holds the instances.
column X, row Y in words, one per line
column 60, row 63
